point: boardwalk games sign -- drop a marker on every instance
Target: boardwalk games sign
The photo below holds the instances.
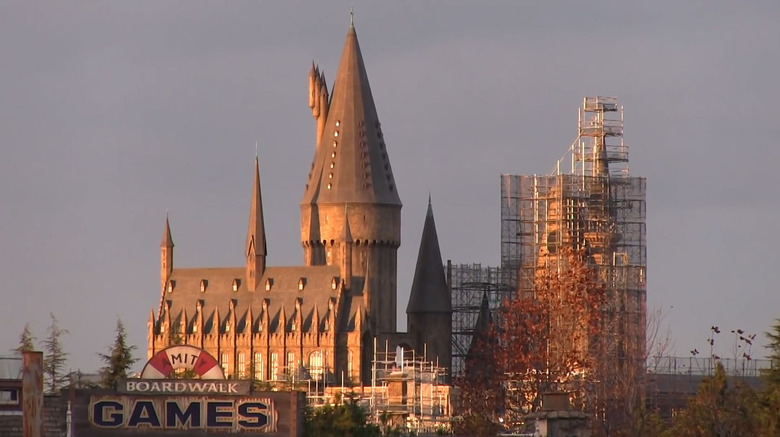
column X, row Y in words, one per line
column 158, row 405
column 183, row 412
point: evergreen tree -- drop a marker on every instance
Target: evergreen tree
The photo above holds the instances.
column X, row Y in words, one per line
column 345, row 419
column 719, row 409
column 26, row 341
column 119, row 359
column 54, row 356
column 772, row 375
column 770, row 395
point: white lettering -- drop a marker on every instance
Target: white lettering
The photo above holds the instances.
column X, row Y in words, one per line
column 233, row 388
column 155, row 386
column 143, row 386
column 130, row 385
column 197, row 386
column 166, row 386
column 179, row 386
column 213, row 387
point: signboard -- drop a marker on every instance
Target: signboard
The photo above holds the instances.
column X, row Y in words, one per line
column 255, row 414
column 106, row 413
column 183, row 386
column 212, row 406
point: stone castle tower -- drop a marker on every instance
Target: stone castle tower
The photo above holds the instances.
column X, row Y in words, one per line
column 351, row 212
column 319, row 319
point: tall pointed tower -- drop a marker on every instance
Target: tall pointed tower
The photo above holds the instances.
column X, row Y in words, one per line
column 166, row 254
column 351, row 171
column 429, row 313
column 256, row 251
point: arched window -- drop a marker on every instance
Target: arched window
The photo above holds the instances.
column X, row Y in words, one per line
column 241, row 365
column 274, row 365
column 315, row 365
column 224, row 361
column 349, row 364
column 258, row 366
column 291, row 367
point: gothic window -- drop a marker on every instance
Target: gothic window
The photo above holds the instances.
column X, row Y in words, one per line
column 349, row 364
column 258, row 366
column 290, row 362
column 241, row 365
column 224, row 362
column 315, row 365
column 274, row 365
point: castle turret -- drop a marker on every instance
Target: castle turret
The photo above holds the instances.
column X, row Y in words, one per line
column 429, row 313
column 351, row 167
column 166, row 255
column 255, row 239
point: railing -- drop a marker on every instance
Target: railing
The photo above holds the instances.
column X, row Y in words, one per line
column 706, row 366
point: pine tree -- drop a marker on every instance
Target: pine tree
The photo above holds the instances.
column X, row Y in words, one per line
column 772, row 375
column 119, row 359
column 26, row 340
column 770, row 395
column 54, row 356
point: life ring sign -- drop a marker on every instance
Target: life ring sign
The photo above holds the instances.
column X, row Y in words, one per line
column 171, row 359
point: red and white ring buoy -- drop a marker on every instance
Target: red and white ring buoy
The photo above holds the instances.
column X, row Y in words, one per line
column 173, row 358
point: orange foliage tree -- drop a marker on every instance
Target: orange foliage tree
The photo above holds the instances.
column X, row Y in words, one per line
column 541, row 342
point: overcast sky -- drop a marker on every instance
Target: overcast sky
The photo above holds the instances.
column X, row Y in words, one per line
column 112, row 113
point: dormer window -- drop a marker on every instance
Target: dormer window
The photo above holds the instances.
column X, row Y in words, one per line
column 334, row 283
column 171, row 286
column 203, row 284
column 236, row 283
column 268, row 283
column 301, row 284
column 194, row 329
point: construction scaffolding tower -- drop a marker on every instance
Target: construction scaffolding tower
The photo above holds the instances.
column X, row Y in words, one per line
column 596, row 207
column 406, row 391
column 410, row 389
column 469, row 282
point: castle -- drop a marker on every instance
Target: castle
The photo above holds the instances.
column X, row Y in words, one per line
column 324, row 317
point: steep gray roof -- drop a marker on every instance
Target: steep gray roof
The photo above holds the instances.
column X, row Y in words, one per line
column 255, row 237
column 167, row 239
column 218, row 296
column 351, row 164
column 482, row 327
column 430, row 293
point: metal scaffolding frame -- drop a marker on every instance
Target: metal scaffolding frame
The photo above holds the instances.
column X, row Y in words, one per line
column 597, row 207
column 469, row 282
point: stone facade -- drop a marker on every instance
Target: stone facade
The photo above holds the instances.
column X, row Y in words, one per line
column 319, row 319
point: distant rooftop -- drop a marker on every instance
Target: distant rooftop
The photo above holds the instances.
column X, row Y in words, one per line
column 10, row 368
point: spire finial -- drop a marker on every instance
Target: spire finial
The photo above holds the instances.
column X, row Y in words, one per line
column 352, row 16
column 255, row 149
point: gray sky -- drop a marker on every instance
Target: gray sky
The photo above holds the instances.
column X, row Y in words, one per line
column 112, row 113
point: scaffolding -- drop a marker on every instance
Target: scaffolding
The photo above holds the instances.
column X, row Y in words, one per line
column 597, row 207
column 406, row 391
column 469, row 282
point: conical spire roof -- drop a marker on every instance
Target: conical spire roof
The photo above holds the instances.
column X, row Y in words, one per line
column 167, row 239
column 255, row 237
column 482, row 327
column 430, row 293
column 351, row 164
